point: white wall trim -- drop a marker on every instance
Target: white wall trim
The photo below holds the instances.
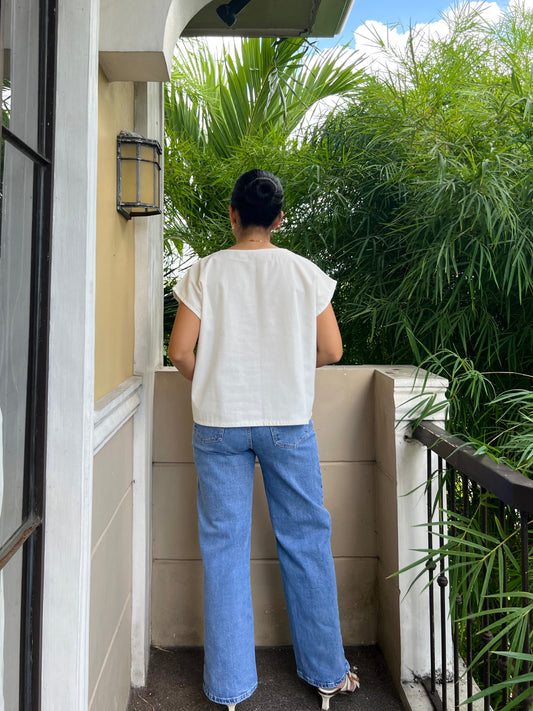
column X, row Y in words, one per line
column 148, row 355
column 69, row 458
column 113, row 410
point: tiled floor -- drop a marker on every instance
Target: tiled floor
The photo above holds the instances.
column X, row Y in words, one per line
column 175, row 684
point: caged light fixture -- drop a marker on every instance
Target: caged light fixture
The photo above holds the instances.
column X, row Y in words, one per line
column 138, row 175
column 228, row 13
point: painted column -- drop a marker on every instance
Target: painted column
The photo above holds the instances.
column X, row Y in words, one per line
column 69, row 464
column 401, row 514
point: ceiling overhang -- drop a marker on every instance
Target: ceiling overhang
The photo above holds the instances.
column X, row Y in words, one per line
column 274, row 18
column 137, row 38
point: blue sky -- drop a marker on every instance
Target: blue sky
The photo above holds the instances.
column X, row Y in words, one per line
column 391, row 12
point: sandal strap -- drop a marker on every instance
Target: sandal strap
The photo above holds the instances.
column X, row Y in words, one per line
column 350, row 683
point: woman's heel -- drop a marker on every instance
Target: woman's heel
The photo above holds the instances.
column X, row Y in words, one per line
column 348, row 686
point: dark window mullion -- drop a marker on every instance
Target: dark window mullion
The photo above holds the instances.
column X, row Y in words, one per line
column 30, row 637
column 47, row 65
column 23, row 147
column 31, row 612
column 17, row 539
column 30, row 621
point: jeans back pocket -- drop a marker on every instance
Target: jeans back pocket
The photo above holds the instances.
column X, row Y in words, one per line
column 206, row 434
column 289, row 436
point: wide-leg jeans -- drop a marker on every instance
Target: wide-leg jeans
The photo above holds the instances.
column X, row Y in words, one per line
column 225, row 459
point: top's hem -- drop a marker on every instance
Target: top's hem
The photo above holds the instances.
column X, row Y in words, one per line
column 251, row 423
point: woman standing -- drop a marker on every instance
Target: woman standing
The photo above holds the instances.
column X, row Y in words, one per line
column 254, row 322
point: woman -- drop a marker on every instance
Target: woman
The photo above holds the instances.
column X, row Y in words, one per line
column 262, row 321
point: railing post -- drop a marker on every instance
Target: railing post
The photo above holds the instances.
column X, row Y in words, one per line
column 403, row 627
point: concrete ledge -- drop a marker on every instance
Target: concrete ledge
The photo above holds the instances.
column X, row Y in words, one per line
column 113, row 410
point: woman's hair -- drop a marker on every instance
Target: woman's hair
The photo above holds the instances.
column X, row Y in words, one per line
column 258, row 198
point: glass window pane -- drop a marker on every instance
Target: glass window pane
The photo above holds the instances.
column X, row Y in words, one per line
column 129, row 181
column 21, row 64
column 148, row 184
column 128, row 150
column 15, row 271
column 10, row 611
column 148, row 153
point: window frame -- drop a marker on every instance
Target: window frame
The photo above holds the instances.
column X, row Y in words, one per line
column 30, row 534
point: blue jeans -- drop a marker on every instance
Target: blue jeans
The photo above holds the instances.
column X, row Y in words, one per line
column 288, row 455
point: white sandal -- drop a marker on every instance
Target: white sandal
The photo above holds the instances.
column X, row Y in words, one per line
column 348, row 686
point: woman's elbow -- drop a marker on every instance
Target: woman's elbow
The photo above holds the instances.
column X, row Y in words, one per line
column 176, row 356
column 328, row 356
column 335, row 354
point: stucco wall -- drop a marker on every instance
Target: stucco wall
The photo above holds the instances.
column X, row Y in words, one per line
column 115, row 246
column 344, row 422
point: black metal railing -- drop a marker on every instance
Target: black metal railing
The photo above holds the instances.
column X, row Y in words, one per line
column 479, row 554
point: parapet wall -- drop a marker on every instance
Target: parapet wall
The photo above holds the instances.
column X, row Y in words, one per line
column 344, row 421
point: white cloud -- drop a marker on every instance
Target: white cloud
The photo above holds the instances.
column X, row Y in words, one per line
column 528, row 4
column 380, row 43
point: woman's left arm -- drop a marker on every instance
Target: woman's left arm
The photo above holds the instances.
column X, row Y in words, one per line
column 328, row 338
column 183, row 341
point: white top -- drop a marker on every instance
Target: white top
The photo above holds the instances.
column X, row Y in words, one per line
column 256, row 355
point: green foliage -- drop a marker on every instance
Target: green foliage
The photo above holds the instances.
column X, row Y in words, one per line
column 415, row 193
column 428, row 199
column 248, row 107
column 227, row 114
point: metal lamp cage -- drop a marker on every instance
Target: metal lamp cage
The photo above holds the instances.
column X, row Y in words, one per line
column 138, row 175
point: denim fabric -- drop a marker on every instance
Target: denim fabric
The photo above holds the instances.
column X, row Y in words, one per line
column 288, row 456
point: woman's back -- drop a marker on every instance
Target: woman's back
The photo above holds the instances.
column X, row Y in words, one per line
column 256, row 354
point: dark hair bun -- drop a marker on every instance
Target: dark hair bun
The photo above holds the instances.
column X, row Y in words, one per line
column 258, row 197
column 260, row 190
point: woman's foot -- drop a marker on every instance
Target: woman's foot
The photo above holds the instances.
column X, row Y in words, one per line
column 349, row 685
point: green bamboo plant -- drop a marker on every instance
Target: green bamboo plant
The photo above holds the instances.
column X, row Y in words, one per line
column 428, row 199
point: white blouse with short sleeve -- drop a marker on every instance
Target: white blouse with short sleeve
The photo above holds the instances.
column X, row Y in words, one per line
column 256, row 355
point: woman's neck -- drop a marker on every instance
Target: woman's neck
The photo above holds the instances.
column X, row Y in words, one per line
column 253, row 237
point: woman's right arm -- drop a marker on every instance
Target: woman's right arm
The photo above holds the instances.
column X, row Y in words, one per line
column 183, row 341
column 328, row 338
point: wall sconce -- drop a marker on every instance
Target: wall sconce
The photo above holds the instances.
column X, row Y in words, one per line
column 138, row 175
column 228, row 13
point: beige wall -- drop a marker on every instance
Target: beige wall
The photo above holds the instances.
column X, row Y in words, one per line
column 115, row 246
column 110, row 608
column 344, row 421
